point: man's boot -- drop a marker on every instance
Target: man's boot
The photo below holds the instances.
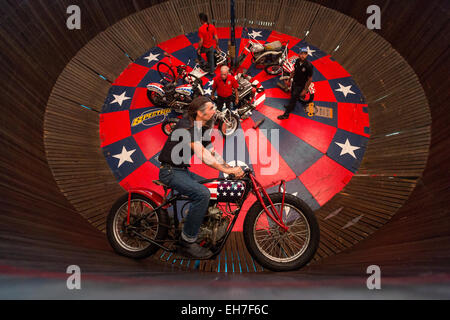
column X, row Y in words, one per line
column 193, row 250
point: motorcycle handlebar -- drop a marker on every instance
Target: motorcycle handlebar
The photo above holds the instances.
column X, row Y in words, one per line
column 246, row 170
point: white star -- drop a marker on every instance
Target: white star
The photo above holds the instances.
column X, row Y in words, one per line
column 347, row 148
column 124, row 156
column 235, row 187
column 231, row 193
column 255, row 34
column 228, row 188
column 210, row 83
column 152, row 57
column 239, row 194
column 345, row 90
column 119, row 98
column 208, row 91
column 221, row 188
column 310, row 51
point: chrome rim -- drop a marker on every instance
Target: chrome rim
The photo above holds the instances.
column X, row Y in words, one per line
column 230, row 124
column 148, row 227
column 277, row 245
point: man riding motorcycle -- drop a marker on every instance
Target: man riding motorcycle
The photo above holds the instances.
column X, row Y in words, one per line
column 194, row 131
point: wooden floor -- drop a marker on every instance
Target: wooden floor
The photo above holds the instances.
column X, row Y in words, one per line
column 56, row 187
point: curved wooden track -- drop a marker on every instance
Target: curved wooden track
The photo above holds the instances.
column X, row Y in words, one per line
column 57, row 79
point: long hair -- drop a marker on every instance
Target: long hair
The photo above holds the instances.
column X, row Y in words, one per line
column 204, row 18
column 198, row 104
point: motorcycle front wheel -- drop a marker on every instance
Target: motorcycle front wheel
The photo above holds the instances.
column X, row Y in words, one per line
column 121, row 236
column 274, row 248
column 229, row 124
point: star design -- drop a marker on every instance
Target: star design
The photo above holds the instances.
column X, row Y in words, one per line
column 255, row 34
column 238, row 193
column 347, row 148
column 208, row 91
column 221, row 188
column 228, row 188
column 120, row 98
column 124, row 156
column 152, row 57
column 231, row 193
column 345, row 90
column 210, row 83
column 310, row 51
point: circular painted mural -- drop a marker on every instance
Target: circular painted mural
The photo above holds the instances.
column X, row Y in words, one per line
column 317, row 155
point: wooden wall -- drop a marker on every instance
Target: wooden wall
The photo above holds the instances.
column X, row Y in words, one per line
column 42, row 52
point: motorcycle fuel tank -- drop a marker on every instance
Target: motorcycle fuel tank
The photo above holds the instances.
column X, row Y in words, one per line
column 226, row 190
column 185, row 89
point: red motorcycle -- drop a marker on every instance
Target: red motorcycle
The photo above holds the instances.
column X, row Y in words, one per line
column 280, row 230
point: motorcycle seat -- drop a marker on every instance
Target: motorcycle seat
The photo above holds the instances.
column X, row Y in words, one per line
column 160, row 183
column 273, row 46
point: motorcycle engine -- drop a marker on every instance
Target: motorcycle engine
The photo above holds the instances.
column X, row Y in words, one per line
column 214, row 225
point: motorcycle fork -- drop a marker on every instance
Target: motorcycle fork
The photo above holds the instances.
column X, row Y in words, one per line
column 277, row 217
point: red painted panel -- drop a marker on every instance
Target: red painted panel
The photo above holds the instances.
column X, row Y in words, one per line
column 314, row 133
column 325, row 178
column 352, row 118
column 114, row 126
column 330, row 69
column 131, row 76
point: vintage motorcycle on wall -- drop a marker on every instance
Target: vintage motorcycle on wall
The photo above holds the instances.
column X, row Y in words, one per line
column 168, row 92
column 280, row 230
column 228, row 120
column 263, row 54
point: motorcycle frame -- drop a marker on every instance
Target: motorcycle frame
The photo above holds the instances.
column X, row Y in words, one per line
column 252, row 185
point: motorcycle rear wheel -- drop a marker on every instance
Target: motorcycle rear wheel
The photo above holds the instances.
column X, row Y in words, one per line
column 165, row 72
column 119, row 234
column 275, row 249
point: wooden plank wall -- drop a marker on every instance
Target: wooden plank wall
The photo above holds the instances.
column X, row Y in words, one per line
column 397, row 103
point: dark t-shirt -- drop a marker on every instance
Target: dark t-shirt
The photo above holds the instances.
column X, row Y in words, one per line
column 181, row 141
column 302, row 72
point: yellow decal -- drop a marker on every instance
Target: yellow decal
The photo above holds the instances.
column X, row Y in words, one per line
column 138, row 120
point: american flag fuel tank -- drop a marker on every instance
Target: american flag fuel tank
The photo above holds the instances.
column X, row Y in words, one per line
column 226, row 191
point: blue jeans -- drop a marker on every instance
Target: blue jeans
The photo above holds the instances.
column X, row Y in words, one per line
column 210, row 56
column 186, row 183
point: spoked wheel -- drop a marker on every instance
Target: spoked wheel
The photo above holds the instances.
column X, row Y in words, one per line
column 168, row 125
column 274, row 248
column 165, row 72
column 273, row 69
column 229, row 124
column 155, row 98
column 121, row 236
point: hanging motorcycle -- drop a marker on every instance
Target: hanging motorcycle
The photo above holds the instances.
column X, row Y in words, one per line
column 168, row 93
column 263, row 54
